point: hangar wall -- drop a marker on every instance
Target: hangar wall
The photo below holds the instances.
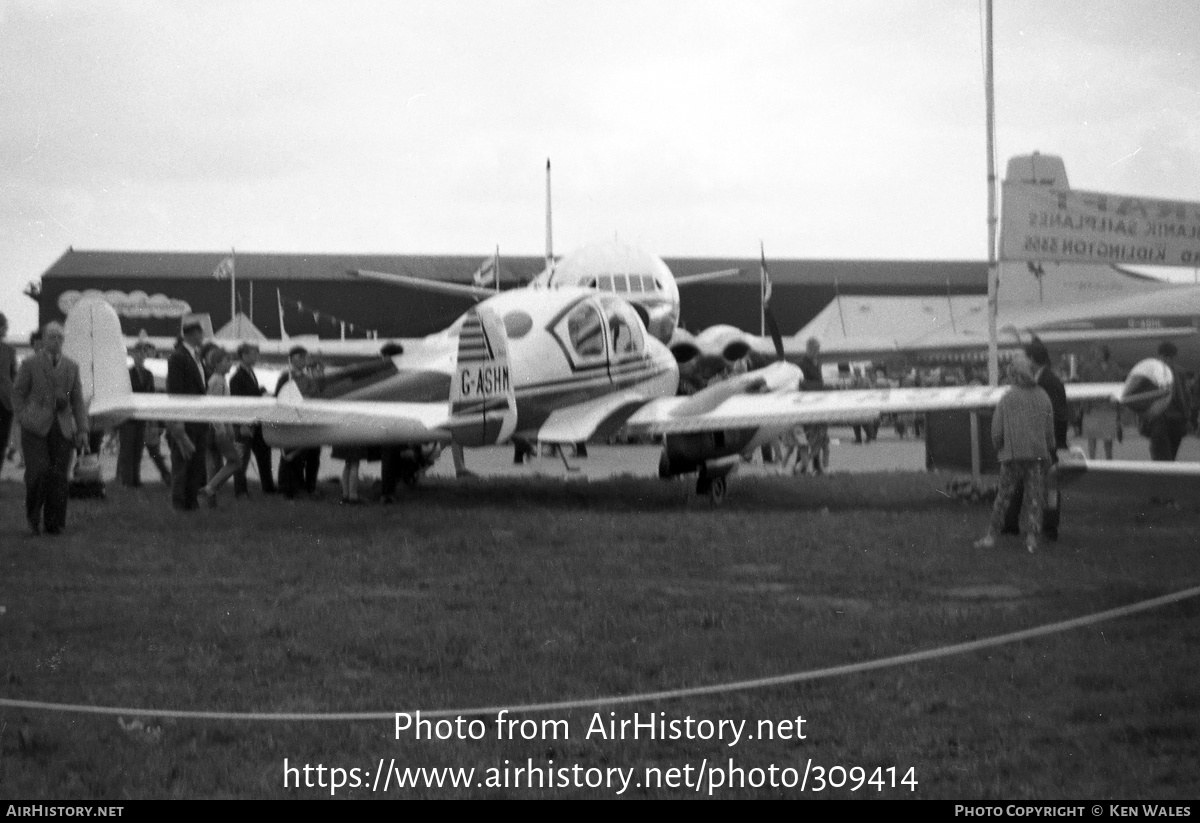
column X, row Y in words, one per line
column 318, row 293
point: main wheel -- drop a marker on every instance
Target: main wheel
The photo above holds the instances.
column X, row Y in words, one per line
column 716, row 491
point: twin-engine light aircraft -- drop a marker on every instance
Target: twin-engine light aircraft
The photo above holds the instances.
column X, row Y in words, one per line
column 556, row 366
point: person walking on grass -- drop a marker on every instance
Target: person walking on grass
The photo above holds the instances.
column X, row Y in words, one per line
column 219, row 363
column 1023, row 434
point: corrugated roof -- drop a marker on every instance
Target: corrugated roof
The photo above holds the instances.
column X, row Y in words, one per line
column 960, row 275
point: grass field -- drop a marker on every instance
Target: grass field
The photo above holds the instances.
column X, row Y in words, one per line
column 508, row 592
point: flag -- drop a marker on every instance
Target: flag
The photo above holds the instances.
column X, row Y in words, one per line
column 224, row 269
column 487, row 273
column 764, row 278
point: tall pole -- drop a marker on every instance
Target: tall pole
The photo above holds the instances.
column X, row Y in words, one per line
column 993, row 266
column 549, row 235
column 762, row 291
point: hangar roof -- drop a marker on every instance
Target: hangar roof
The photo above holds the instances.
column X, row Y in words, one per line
column 960, row 275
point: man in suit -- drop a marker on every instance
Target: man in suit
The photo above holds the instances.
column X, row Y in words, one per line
column 189, row 441
column 298, row 468
column 8, row 373
column 244, row 383
column 49, row 405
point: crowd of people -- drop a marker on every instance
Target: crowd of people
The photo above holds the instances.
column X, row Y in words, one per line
column 43, row 397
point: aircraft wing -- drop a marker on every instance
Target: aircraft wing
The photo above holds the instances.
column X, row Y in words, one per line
column 441, row 286
column 289, row 421
column 1179, row 481
column 675, row 415
column 689, row 279
column 969, row 341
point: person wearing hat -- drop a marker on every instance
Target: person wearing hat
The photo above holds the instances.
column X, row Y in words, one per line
column 137, row 435
column 1166, row 431
column 1023, row 434
column 189, row 441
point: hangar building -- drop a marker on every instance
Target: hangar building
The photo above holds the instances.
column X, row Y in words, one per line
column 317, row 294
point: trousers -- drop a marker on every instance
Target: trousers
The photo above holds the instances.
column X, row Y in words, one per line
column 47, row 460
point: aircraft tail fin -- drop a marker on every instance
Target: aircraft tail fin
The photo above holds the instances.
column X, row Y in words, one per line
column 1026, row 286
column 95, row 342
column 483, row 404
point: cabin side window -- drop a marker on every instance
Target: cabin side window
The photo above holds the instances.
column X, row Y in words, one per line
column 585, row 331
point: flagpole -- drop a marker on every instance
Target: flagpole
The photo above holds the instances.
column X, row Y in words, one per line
column 279, row 302
column 762, row 290
column 837, row 290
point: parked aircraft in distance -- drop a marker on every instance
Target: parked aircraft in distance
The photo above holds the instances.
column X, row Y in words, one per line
column 638, row 276
column 1069, row 306
column 557, row 366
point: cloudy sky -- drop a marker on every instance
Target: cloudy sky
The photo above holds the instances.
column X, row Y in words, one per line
column 825, row 128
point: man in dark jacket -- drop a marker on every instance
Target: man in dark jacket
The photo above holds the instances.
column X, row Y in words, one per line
column 244, row 383
column 137, row 435
column 189, row 441
column 1053, row 386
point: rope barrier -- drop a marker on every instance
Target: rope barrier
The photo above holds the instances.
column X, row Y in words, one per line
column 643, row 697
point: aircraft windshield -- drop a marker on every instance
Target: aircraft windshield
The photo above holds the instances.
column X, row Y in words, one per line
column 624, row 330
column 585, row 331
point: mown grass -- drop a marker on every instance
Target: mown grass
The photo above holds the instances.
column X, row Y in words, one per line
column 521, row 591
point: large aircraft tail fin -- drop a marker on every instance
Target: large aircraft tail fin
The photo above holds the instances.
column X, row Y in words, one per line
column 94, row 341
column 1026, row 286
column 483, row 404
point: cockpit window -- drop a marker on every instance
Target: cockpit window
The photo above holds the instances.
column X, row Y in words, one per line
column 585, row 331
column 604, row 283
column 635, row 283
column 620, row 283
column 624, row 330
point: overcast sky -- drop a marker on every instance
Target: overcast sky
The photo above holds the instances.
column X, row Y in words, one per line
column 838, row 129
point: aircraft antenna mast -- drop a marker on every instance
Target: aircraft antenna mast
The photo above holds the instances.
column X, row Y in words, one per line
column 549, row 231
column 993, row 265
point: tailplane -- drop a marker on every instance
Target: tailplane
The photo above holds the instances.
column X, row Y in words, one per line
column 1027, row 286
column 94, row 340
